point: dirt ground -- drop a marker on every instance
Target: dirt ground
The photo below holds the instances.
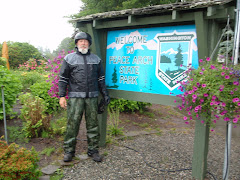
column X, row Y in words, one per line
column 156, row 117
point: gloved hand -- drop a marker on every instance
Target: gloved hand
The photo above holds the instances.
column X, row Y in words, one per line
column 106, row 100
column 101, row 107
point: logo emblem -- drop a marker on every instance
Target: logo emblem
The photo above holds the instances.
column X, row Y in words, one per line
column 174, row 56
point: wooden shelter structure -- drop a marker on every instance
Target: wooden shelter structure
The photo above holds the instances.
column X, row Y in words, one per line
column 209, row 18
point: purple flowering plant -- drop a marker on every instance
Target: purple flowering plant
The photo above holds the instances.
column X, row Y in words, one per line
column 55, row 66
column 212, row 91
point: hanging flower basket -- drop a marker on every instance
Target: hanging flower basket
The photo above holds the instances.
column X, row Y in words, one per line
column 211, row 91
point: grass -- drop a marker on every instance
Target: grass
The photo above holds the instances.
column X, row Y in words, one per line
column 113, row 128
column 58, row 175
column 48, row 151
column 144, row 125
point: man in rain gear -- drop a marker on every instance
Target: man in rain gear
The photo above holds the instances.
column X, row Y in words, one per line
column 83, row 74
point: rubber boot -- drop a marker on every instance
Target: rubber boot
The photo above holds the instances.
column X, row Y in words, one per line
column 95, row 155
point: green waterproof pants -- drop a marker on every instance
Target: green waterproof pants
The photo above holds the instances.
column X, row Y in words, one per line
column 75, row 109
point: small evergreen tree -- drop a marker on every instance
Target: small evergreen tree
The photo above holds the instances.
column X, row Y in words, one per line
column 179, row 57
column 114, row 76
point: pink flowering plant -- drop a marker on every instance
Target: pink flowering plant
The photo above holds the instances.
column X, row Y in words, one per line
column 211, row 91
column 33, row 65
column 55, row 66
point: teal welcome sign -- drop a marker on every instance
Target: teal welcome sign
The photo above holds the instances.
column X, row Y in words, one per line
column 150, row 60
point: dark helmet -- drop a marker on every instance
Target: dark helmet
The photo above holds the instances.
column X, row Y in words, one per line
column 83, row 35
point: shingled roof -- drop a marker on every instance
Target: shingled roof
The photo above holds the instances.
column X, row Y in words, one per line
column 154, row 9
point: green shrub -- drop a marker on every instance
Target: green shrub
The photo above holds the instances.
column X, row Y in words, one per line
column 59, row 126
column 3, row 61
column 41, row 90
column 12, row 87
column 29, row 78
column 127, row 105
column 33, row 112
column 15, row 134
column 18, row 163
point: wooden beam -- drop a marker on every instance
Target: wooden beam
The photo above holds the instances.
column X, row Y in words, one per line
column 96, row 23
column 202, row 35
column 131, row 19
column 211, row 11
column 144, row 97
column 175, row 14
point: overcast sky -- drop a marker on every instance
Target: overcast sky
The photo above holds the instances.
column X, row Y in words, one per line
column 38, row 22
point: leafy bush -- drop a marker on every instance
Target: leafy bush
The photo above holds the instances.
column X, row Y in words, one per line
column 127, row 105
column 15, row 134
column 59, row 126
column 29, row 78
column 34, row 113
column 12, row 87
column 3, row 61
column 41, row 90
column 18, row 163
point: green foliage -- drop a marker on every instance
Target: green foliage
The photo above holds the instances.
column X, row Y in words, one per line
column 3, row 61
column 20, row 52
column 98, row 6
column 15, row 134
column 46, row 53
column 48, row 151
column 113, row 127
column 211, row 91
column 143, row 3
column 12, row 87
column 29, row 78
column 41, row 90
column 58, row 175
column 59, row 126
column 33, row 112
column 18, row 163
column 226, row 46
column 127, row 105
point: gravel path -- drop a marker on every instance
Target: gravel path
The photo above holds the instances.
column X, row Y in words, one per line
column 150, row 156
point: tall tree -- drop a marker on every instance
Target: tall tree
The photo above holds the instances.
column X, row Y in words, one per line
column 20, row 53
column 67, row 44
column 46, row 53
column 98, row 6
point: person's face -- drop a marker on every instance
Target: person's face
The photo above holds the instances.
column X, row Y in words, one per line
column 83, row 44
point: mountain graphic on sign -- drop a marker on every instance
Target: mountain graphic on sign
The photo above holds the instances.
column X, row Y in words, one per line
column 169, row 51
column 151, row 44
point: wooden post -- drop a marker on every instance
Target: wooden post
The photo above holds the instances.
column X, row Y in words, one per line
column 200, row 151
column 96, row 48
column 103, row 128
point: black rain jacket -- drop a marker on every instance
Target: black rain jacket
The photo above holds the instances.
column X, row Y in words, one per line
column 83, row 75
